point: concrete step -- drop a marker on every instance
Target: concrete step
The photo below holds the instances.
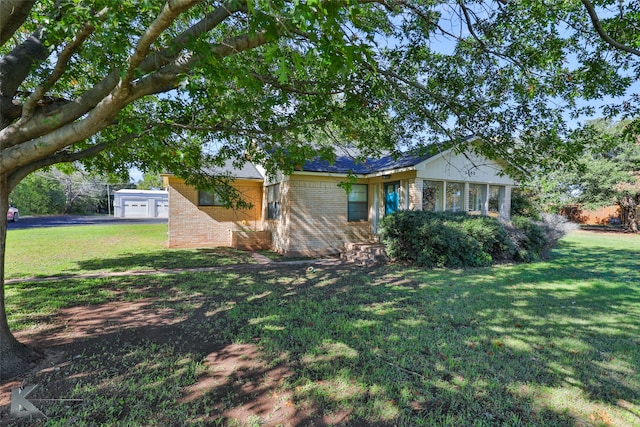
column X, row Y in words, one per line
column 364, row 253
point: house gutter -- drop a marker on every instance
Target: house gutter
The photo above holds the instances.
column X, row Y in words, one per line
column 330, row 174
column 390, row 171
column 360, row 176
column 168, row 175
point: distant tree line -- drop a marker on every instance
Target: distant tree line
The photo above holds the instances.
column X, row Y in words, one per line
column 606, row 173
column 54, row 192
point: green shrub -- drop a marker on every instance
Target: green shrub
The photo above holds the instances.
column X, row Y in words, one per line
column 525, row 202
column 446, row 239
column 445, row 245
column 491, row 234
column 528, row 238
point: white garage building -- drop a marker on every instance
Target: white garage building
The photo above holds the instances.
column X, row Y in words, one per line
column 141, row 204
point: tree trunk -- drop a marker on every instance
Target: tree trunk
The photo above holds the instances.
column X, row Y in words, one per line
column 628, row 206
column 14, row 356
column 633, row 221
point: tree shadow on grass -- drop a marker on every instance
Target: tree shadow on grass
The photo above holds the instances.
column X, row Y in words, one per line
column 169, row 259
column 579, row 312
column 385, row 346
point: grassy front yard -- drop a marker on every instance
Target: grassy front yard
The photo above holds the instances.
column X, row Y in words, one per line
column 103, row 248
column 552, row 343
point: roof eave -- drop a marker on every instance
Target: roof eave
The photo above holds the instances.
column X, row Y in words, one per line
column 390, row 171
column 169, row 175
column 338, row 174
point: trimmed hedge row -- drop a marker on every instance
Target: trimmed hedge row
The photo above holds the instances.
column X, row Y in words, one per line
column 448, row 239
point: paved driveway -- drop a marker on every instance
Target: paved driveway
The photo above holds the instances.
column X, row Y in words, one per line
column 68, row 220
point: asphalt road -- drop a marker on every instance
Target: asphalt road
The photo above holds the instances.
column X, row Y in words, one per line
column 69, row 220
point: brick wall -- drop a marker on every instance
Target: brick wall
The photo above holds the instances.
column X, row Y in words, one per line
column 251, row 240
column 315, row 210
column 505, row 209
column 192, row 226
column 280, row 235
column 415, row 194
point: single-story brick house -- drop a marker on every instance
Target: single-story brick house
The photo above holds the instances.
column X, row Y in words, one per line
column 307, row 213
column 198, row 218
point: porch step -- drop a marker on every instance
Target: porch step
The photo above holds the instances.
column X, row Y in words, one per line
column 364, row 253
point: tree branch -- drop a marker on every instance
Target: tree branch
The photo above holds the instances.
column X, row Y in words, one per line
column 90, row 99
column 447, row 101
column 206, row 24
column 459, row 39
column 16, row 65
column 42, row 124
column 45, row 135
column 10, row 110
column 14, row 68
column 289, row 88
column 391, row 77
column 467, row 18
column 62, row 157
column 50, row 133
column 13, row 13
column 171, row 11
column 169, row 74
column 61, row 65
column 218, row 127
column 67, row 156
column 603, row 34
column 235, row 45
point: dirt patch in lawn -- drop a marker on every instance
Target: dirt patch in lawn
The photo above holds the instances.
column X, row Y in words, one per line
column 240, row 387
column 74, row 333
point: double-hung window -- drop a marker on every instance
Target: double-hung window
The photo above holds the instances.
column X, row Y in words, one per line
column 357, row 206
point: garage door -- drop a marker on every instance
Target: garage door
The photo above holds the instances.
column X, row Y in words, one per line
column 162, row 209
column 136, row 208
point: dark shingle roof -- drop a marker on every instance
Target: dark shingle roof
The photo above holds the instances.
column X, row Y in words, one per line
column 346, row 164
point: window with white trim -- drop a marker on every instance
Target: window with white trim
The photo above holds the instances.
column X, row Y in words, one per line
column 431, row 195
column 455, row 196
column 477, row 196
column 357, row 205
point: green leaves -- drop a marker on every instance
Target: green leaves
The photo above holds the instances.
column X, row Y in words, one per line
column 607, row 169
column 377, row 78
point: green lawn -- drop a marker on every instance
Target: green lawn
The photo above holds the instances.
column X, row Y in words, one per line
column 550, row 343
column 101, row 248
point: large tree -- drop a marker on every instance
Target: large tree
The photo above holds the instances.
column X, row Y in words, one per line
column 179, row 83
column 606, row 173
